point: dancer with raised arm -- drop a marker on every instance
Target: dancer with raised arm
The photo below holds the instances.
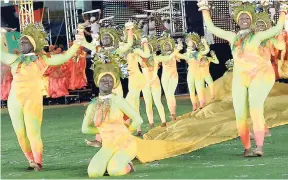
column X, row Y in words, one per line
column 25, row 101
column 251, row 72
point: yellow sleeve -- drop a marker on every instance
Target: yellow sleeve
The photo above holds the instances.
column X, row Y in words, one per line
column 227, row 35
column 62, row 58
column 87, row 127
column 126, row 46
column 126, row 108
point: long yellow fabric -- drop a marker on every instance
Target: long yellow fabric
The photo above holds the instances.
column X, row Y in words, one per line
column 213, row 124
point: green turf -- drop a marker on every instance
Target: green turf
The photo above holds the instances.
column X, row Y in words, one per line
column 66, row 155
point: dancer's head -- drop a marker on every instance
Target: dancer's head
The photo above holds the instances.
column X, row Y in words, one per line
column 262, row 21
column 167, row 44
column 33, row 38
column 106, row 77
column 243, row 13
column 27, row 45
column 193, row 40
column 110, row 36
column 244, row 20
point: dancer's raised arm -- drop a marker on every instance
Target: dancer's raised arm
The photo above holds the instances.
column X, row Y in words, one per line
column 61, row 58
column 227, row 35
column 146, row 53
column 124, row 47
column 7, row 58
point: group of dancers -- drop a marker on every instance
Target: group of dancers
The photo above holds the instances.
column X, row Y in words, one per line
column 117, row 54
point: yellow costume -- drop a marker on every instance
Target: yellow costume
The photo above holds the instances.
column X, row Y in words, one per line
column 153, row 87
column 213, row 124
column 195, row 76
column 169, row 77
column 104, row 115
column 25, row 101
column 252, row 80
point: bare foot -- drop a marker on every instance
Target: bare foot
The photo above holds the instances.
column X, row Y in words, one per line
column 151, row 125
column 93, row 143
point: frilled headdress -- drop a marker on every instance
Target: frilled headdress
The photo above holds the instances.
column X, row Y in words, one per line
column 108, row 57
column 165, row 38
column 114, row 32
column 194, row 37
column 36, row 35
column 153, row 44
column 241, row 7
column 109, row 68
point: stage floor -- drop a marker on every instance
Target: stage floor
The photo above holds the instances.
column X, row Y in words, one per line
column 67, row 156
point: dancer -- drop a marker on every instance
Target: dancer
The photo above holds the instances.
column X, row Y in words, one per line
column 205, row 71
column 153, row 87
column 269, row 48
column 104, row 115
column 169, row 77
column 195, row 80
column 25, row 101
column 136, row 80
column 110, row 38
column 248, row 76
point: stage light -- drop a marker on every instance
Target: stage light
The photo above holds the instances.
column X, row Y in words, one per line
column 6, row 1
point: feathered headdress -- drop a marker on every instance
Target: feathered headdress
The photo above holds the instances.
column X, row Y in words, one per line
column 264, row 17
column 36, row 35
column 109, row 68
column 241, row 7
column 114, row 32
column 194, row 37
column 165, row 38
column 153, row 43
column 107, row 57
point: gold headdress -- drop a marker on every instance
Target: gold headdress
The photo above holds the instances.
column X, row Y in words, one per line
column 239, row 7
column 264, row 17
column 36, row 35
column 103, row 69
column 153, row 44
column 113, row 32
column 194, row 37
column 107, row 57
column 166, row 39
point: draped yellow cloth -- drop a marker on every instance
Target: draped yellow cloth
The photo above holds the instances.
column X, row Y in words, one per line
column 213, row 124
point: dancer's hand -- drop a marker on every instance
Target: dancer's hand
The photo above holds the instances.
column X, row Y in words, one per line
column 129, row 25
column 203, row 5
column 79, row 39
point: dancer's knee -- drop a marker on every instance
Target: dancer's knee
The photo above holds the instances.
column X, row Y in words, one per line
column 94, row 173
column 114, row 169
